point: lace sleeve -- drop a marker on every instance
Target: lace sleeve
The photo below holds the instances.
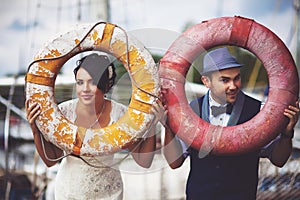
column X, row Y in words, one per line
column 68, row 109
column 118, row 110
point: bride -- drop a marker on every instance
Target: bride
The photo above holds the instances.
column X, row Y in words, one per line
column 77, row 178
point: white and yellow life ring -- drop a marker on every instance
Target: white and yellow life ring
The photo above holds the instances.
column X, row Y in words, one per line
column 40, row 82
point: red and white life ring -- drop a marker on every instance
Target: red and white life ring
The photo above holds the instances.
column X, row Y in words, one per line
column 40, row 82
column 276, row 58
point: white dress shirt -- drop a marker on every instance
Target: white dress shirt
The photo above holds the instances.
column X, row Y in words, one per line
column 220, row 120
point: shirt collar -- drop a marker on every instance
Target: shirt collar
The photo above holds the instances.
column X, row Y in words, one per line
column 212, row 102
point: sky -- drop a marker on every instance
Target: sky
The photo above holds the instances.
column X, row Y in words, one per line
column 26, row 25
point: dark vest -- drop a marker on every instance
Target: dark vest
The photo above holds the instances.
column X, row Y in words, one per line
column 224, row 177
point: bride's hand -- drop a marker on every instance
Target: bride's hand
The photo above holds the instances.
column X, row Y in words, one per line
column 32, row 112
column 160, row 112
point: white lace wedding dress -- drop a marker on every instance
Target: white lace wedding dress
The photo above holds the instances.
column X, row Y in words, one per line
column 77, row 180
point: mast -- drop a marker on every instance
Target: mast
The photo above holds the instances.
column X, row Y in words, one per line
column 100, row 10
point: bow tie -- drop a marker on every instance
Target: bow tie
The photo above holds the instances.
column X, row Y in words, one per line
column 217, row 110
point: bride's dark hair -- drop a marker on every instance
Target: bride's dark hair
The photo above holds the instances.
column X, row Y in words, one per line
column 100, row 68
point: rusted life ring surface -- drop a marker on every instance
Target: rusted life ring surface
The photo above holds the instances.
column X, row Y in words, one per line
column 40, row 82
column 250, row 35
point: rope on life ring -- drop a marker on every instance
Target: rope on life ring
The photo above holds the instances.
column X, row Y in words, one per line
column 245, row 33
column 40, row 82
